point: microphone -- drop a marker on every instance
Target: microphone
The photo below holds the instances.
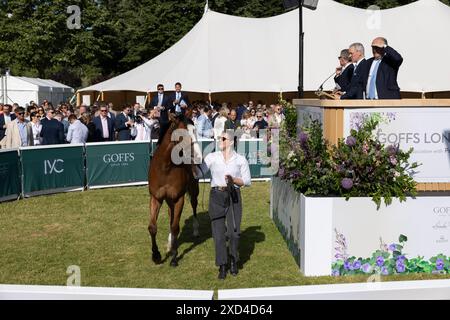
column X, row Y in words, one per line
column 321, row 86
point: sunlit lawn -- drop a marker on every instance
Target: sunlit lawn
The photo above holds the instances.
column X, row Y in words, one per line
column 104, row 232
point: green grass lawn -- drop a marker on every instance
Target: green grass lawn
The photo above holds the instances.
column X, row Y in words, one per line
column 104, row 232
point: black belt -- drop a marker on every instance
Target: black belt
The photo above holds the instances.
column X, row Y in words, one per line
column 220, row 188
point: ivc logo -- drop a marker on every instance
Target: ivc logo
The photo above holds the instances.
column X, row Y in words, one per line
column 53, row 166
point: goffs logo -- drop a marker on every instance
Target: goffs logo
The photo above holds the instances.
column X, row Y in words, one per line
column 53, row 166
column 118, row 157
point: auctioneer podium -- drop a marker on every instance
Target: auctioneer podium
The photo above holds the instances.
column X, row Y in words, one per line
column 423, row 124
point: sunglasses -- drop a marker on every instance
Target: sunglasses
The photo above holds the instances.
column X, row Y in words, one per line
column 104, row 110
column 21, row 113
column 259, row 116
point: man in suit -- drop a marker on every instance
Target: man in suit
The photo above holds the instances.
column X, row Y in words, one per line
column 18, row 133
column 344, row 72
column 356, row 89
column 123, row 124
column 179, row 100
column 78, row 132
column 5, row 118
column 161, row 103
column 52, row 130
column 104, row 125
column 381, row 81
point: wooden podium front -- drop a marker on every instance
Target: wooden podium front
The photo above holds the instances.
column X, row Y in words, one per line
column 423, row 124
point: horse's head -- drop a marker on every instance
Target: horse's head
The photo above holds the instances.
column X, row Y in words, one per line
column 177, row 121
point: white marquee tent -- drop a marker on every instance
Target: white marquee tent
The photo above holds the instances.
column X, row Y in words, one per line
column 224, row 53
column 22, row 90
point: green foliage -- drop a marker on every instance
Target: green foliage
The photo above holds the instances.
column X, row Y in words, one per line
column 359, row 166
column 373, row 169
column 115, row 35
column 386, row 261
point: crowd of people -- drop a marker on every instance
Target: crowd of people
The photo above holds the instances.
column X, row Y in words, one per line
column 45, row 124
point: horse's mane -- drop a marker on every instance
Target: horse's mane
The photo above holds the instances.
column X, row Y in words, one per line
column 172, row 126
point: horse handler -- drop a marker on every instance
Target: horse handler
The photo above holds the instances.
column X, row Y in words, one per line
column 226, row 166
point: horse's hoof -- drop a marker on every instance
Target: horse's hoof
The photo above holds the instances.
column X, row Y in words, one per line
column 174, row 263
column 156, row 257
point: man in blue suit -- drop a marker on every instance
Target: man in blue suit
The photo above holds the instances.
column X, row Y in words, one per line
column 104, row 126
column 162, row 103
column 52, row 130
column 179, row 100
column 357, row 84
column 123, row 124
column 381, row 80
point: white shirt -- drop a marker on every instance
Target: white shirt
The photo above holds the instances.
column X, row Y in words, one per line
column 36, row 127
column 237, row 166
column 78, row 132
column 7, row 118
column 105, row 130
column 219, row 126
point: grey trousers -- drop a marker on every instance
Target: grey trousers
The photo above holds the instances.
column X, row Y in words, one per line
column 222, row 226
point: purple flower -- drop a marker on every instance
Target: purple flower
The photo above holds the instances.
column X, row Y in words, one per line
column 281, row 172
column 303, row 137
column 356, row 265
column 439, row 264
column 384, row 271
column 380, row 261
column 393, row 160
column 366, row 268
column 391, row 150
column 392, row 247
column 347, row 183
column 401, row 258
column 348, row 265
column 350, row 141
column 335, row 273
column 400, row 266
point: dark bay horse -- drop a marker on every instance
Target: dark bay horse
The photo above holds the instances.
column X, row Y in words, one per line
column 170, row 182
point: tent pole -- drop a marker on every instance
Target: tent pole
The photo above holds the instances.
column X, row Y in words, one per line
column 209, row 97
column 78, row 98
column 98, row 98
column 300, row 51
column 103, row 96
column 147, row 98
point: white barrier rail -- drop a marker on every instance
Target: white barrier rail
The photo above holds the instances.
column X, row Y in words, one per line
column 394, row 290
column 26, row 292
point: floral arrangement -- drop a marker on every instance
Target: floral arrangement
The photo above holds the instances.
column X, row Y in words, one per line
column 387, row 260
column 358, row 166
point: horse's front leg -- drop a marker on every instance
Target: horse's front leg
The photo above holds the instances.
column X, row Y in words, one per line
column 175, row 214
column 155, row 206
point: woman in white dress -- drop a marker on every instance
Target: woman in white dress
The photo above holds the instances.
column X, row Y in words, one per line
column 36, row 127
column 144, row 128
column 219, row 123
column 246, row 125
